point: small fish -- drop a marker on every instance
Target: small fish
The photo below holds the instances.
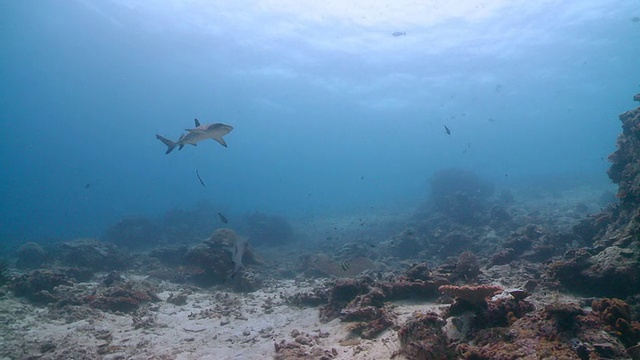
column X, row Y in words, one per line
column 223, row 218
column 362, row 177
column 447, row 130
column 199, row 178
column 345, row 266
column 399, row 33
column 88, row 185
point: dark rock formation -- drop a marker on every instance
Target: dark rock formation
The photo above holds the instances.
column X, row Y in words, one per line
column 611, row 267
column 91, row 254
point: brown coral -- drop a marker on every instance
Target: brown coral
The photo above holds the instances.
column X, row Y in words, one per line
column 473, row 294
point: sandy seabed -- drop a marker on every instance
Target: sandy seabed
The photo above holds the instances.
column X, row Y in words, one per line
column 213, row 324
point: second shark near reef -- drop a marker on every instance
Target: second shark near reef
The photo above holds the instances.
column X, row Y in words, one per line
column 201, row 132
column 237, row 252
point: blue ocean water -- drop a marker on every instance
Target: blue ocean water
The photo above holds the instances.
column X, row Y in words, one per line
column 331, row 112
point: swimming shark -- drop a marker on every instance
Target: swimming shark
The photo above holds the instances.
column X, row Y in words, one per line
column 201, row 132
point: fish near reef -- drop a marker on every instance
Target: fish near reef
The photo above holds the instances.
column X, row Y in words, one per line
column 213, row 131
column 345, row 266
column 223, row 218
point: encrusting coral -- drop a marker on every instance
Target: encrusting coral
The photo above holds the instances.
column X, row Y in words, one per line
column 473, row 294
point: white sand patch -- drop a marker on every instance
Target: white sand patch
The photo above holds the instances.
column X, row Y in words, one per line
column 213, row 324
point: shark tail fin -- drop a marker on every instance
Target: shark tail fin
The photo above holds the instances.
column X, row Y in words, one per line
column 170, row 144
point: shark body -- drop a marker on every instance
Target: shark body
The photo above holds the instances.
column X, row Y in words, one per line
column 213, row 131
column 237, row 253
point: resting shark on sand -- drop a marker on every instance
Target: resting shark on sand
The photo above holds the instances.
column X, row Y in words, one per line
column 200, row 132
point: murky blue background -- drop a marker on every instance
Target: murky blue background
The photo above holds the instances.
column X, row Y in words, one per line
column 331, row 112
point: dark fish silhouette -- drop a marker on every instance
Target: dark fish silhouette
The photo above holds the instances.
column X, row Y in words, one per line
column 399, row 33
column 88, row 185
column 199, row 178
column 223, row 218
column 345, row 266
column 447, row 130
column 200, row 132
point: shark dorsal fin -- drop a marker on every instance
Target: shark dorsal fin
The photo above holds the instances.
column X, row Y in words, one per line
column 197, row 122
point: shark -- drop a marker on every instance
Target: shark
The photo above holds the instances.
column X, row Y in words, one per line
column 237, row 252
column 213, row 131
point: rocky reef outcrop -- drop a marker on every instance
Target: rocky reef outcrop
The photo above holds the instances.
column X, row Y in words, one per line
column 610, row 266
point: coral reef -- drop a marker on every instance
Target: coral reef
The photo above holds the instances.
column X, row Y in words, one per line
column 38, row 286
column 467, row 267
column 363, row 301
column 473, row 294
column 91, row 254
column 133, row 233
column 30, row 256
column 404, row 245
column 617, row 318
column 120, row 295
column 559, row 331
column 4, row 272
column 268, row 230
column 460, row 195
column 422, row 337
column 611, row 266
column 187, row 226
column 322, row 265
column 211, row 261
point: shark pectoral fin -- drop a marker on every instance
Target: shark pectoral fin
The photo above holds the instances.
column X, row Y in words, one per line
column 180, row 147
column 220, row 140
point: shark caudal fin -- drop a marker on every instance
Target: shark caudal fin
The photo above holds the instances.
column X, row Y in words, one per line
column 170, row 144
